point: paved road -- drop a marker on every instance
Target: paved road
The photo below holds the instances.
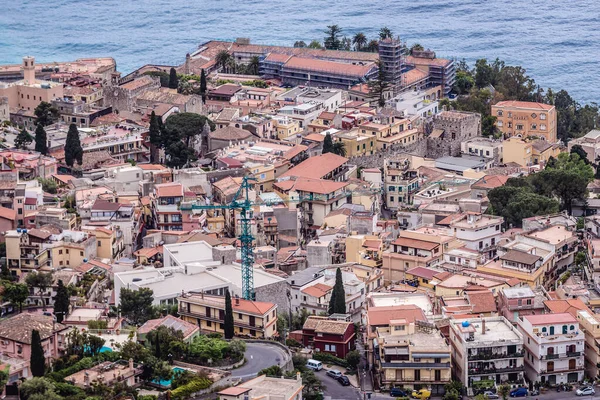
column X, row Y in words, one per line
column 259, row 356
column 335, row 391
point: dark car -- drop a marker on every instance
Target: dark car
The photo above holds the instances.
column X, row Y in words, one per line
column 398, row 392
column 344, row 380
column 519, row 392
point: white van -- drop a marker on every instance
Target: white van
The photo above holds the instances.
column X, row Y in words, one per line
column 314, row 364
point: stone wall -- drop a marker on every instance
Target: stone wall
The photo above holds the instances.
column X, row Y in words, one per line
column 274, row 293
column 122, row 99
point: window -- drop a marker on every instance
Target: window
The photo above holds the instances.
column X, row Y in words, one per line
column 240, row 316
column 519, row 127
column 542, row 116
column 392, row 188
column 533, row 126
column 99, row 243
column 572, row 328
column 543, row 127
column 417, row 374
column 330, row 347
column 500, row 124
column 60, row 252
column 208, row 324
column 67, row 251
column 497, row 227
column 520, row 302
column 509, row 114
column 81, row 253
column 564, row 329
column 391, row 198
column 500, row 113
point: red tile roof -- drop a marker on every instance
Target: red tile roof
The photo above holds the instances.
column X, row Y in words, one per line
column 317, row 290
column 316, row 65
column 548, row 319
column 415, row 243
column 423, row 272
column 439, row 62
column 8, row 213
column 490, row 182
column 169, row 190
column 379, row 316
column 571, row 306
column 482, row 301
column 317, row 167
column 318, row 186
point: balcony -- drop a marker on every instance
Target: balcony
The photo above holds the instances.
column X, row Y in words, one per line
column 495, row 356
column 488, row 371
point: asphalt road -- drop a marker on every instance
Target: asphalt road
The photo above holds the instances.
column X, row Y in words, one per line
column 259, row 356
column 335, row 391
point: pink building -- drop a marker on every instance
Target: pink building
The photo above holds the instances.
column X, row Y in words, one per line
column 15, row 336
column 519, row 301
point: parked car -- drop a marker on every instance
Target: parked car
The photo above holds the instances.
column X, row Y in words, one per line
column 398, row 392
column 490, row 395
column 344, row 380
column 585, row 391
column 314, row 365
column 519, row 392
column 421, row 394
column 334, row 373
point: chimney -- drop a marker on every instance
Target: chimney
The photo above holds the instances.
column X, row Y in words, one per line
column 482, row 324
column 237, row 301
column 131, row 363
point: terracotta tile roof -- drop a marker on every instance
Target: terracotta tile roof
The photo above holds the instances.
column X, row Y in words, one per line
column 317, row 167
column 482, row 301
column 230, row 133
column 30, row 201
column 151, row 167
column 294, row 151
column 524, row 104
column 312, row 321
column 318, row 186
column 227, row 89
column 317, row 290
column 8, row 213
column 549, row 319
column 332, row 327
column 415, row 243
column 439, row 62
column 277, row 57
column 571, row 306
column 316, row 65
column 19, row 327
column 230, row 162
column 378, row 316
column 39, row 233
column 520, row 257
column 137, row 83
column 414, row 75
column 234, row 391
column 148, row 252
column 169, row 321
column 490, row 182
column 169, row 190
column 252, row 307
column 315, row 137
column 326, row 115
column 63, row 178
column 423, row 272
column 104, row 205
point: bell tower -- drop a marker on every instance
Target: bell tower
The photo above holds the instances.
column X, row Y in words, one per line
column 29, row 70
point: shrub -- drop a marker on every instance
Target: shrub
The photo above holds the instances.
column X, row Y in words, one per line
column 186, row 391
column 293, row 343
column 84, row 363
column 330, row 359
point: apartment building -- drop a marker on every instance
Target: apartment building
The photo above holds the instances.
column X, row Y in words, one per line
column 250, row 318
column 590, row 144
column 519, row 301
column 526, row 119
column 479, row 232
column 167, row 214
column 25, row 251
column 119, row 217
column 590, row 325
column 442, row 72
column 330, row 336
column 15, row 336
column 486, row 352
column 554, row 348
column 401, row 182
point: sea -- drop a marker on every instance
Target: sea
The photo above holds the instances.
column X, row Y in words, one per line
column 556, row 41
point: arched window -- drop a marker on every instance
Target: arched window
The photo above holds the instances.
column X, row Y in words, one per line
column 564, row 329
column 572, row 327
column 544, row 329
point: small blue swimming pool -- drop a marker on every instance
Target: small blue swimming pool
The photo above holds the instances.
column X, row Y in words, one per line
column 106, row 349
column 167, row 383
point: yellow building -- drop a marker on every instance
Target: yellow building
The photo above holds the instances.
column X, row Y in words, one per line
column 286, row 127
column 399, row 131
column 590, row 324
column 517, row 150
column 109, row 243
column 24, row 252
column 264, row 175
column 356, row 143
column 364, row 249
column 526, row 119
column 251, row 318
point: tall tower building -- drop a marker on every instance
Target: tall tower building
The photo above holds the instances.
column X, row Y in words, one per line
column 29, row 70
column 391, row 56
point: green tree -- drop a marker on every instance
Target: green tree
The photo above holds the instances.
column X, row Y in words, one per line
column 515, row 203
column 179, row 155
column 222, row 59
column 94, row 344
column 300, row 44
column 379, row 86
column 45, row 114
column 580, row 223
column 385, row 33
column 61, row 301
column 48, row 185
column 41, row 140
column 504, row 391
column 332, row 37
column 327, row 144
column 23, row 139
column 136, row 305
column 312, row 386
column 353, row 359
column 273, row 370
column 203, row 85
column 463, row 83
column 359, row 41
column 373, row 46
column 186, row 127
column 339, row 148
column 484, row 74
column 580, row 258
column 577, row 149
column 37, row 388
column 37, row 361
column 252, row 67
column 416, row 47
column 73, row 149
column 228, row 323
column 155, row 138
column 16, row 293
column 337, row 302
column 315, row 44
column 40, row 281
column 173, row 79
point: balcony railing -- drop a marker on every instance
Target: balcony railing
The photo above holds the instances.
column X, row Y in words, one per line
column 487, row 371
column 495, row 356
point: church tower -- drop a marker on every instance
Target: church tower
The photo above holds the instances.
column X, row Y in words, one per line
column 29, row 70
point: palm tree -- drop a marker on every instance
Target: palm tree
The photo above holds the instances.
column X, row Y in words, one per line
column 359, row 40
column 223, row 57
column 339, row 148
column 252, row 67
column 416, row 47
column 231, row 65
column 373, row 46
column 385, row 33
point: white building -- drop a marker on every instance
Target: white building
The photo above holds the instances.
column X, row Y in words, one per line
column 417, row 102
column 487, row 349
column 479, row 232
column 554, row 348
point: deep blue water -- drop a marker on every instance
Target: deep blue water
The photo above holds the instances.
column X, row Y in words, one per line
column 558, row 42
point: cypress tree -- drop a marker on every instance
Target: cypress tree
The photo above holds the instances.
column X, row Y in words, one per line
column 155, row 139
column 41, row 140
column 228, row 328
column 61, row 301
column 173, row 80
column 337, row 302
column 203, row 85
column 37, row 360
column 73, row 149
column 327, row 144
column 23, row 139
